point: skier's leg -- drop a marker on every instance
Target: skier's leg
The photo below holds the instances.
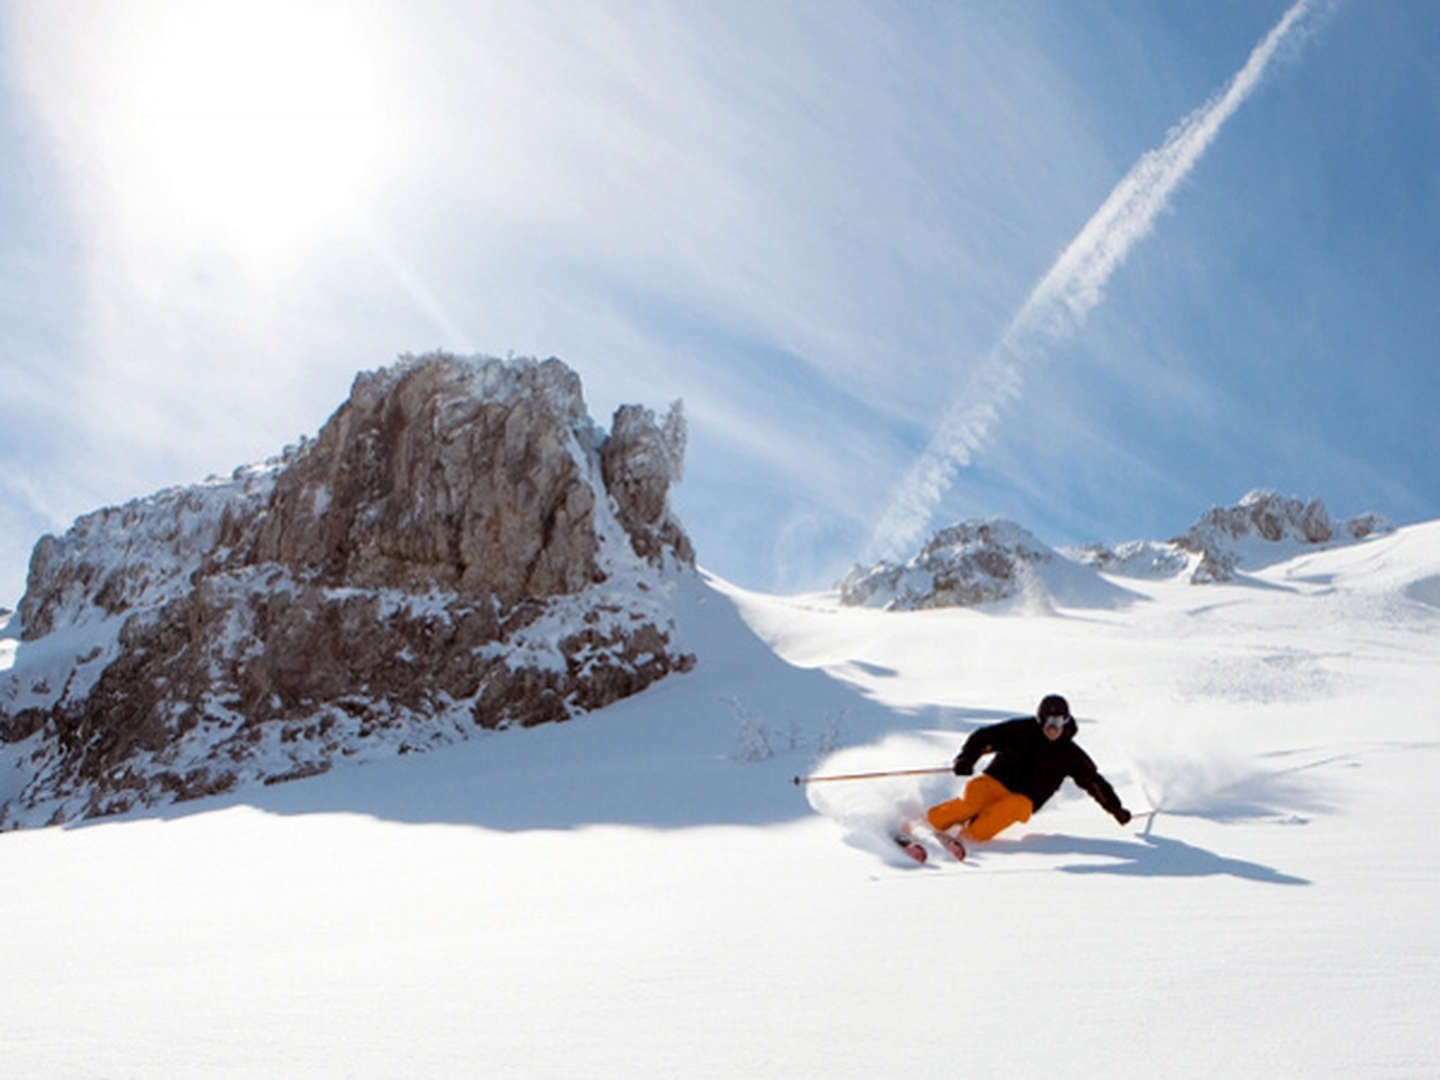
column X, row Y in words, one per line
column 979, row 793
column 953, row 811
column 1000, row 814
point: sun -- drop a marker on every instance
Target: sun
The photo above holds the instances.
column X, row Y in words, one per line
column 248, row 127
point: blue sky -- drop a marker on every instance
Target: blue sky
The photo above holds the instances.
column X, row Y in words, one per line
column 815, row 222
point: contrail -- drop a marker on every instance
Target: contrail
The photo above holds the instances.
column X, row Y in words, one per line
column 1058, row 305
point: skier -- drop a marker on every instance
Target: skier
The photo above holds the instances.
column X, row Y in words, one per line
column 1033, row 755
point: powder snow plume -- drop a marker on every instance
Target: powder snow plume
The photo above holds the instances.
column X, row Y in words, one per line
column 1069, row 291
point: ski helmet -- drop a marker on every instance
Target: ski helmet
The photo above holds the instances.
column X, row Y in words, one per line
column 1054, row 711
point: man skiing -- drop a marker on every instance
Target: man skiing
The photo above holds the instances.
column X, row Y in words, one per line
column 1033, row 756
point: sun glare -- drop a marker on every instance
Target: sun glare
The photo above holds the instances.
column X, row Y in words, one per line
column 248, row 126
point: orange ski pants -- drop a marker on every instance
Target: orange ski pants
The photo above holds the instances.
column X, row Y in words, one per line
column 992, row 805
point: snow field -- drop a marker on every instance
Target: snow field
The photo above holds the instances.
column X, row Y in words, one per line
column 629, row 894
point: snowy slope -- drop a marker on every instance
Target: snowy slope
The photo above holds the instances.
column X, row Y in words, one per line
column 642, row 892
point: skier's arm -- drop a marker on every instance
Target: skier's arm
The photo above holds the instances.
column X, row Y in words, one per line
column 1088, row 777
column 976, row 746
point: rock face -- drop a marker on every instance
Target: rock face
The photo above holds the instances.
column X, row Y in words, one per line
column 974, row 562
column 448, row 477
column 640, row 460
column 460, row 548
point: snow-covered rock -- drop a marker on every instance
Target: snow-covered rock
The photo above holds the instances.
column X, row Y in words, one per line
column 973, row 562
column 982, row 562
column 1368, row 524
column 460, row 548
column 641, row 460
column 969, row 563
column 994, row 562
column 139, row 554
column 1265, row 525
column 1136, row 559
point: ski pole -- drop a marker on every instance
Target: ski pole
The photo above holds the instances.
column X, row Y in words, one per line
column 798, row 780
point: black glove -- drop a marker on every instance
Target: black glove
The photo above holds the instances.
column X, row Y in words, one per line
column 1122, row 816
column 963, row 766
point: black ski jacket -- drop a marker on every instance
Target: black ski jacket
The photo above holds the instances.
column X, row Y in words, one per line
column 1030, row 764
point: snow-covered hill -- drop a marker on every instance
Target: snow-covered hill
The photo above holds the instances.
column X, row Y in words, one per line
column 647, row 894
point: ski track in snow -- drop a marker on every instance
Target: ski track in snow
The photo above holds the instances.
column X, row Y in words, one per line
column 642, row 891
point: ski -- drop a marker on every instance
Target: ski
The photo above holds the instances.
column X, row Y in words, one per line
column 951, row 844
column 910, row 846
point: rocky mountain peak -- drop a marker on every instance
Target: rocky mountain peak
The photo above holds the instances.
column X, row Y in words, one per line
column 460, row 547
column 459, row 474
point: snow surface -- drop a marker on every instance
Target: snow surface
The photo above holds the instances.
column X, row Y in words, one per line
column 643, row 892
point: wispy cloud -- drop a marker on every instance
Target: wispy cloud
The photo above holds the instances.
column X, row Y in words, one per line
column 1068, row 292
column 538, row 178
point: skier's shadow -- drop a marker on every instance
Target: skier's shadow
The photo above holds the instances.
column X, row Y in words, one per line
column 1146, row 856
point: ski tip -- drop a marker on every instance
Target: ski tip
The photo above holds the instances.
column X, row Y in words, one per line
column 910, row 846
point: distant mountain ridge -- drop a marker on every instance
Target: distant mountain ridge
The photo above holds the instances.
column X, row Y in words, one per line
column 460, row 548
column 985, row 562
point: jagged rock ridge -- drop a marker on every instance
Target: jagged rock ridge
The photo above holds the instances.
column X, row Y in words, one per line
column 460, row 548
column 984, row 562
column 1223, row 536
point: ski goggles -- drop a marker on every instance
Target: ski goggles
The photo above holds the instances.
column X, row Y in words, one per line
column 1054, row 721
